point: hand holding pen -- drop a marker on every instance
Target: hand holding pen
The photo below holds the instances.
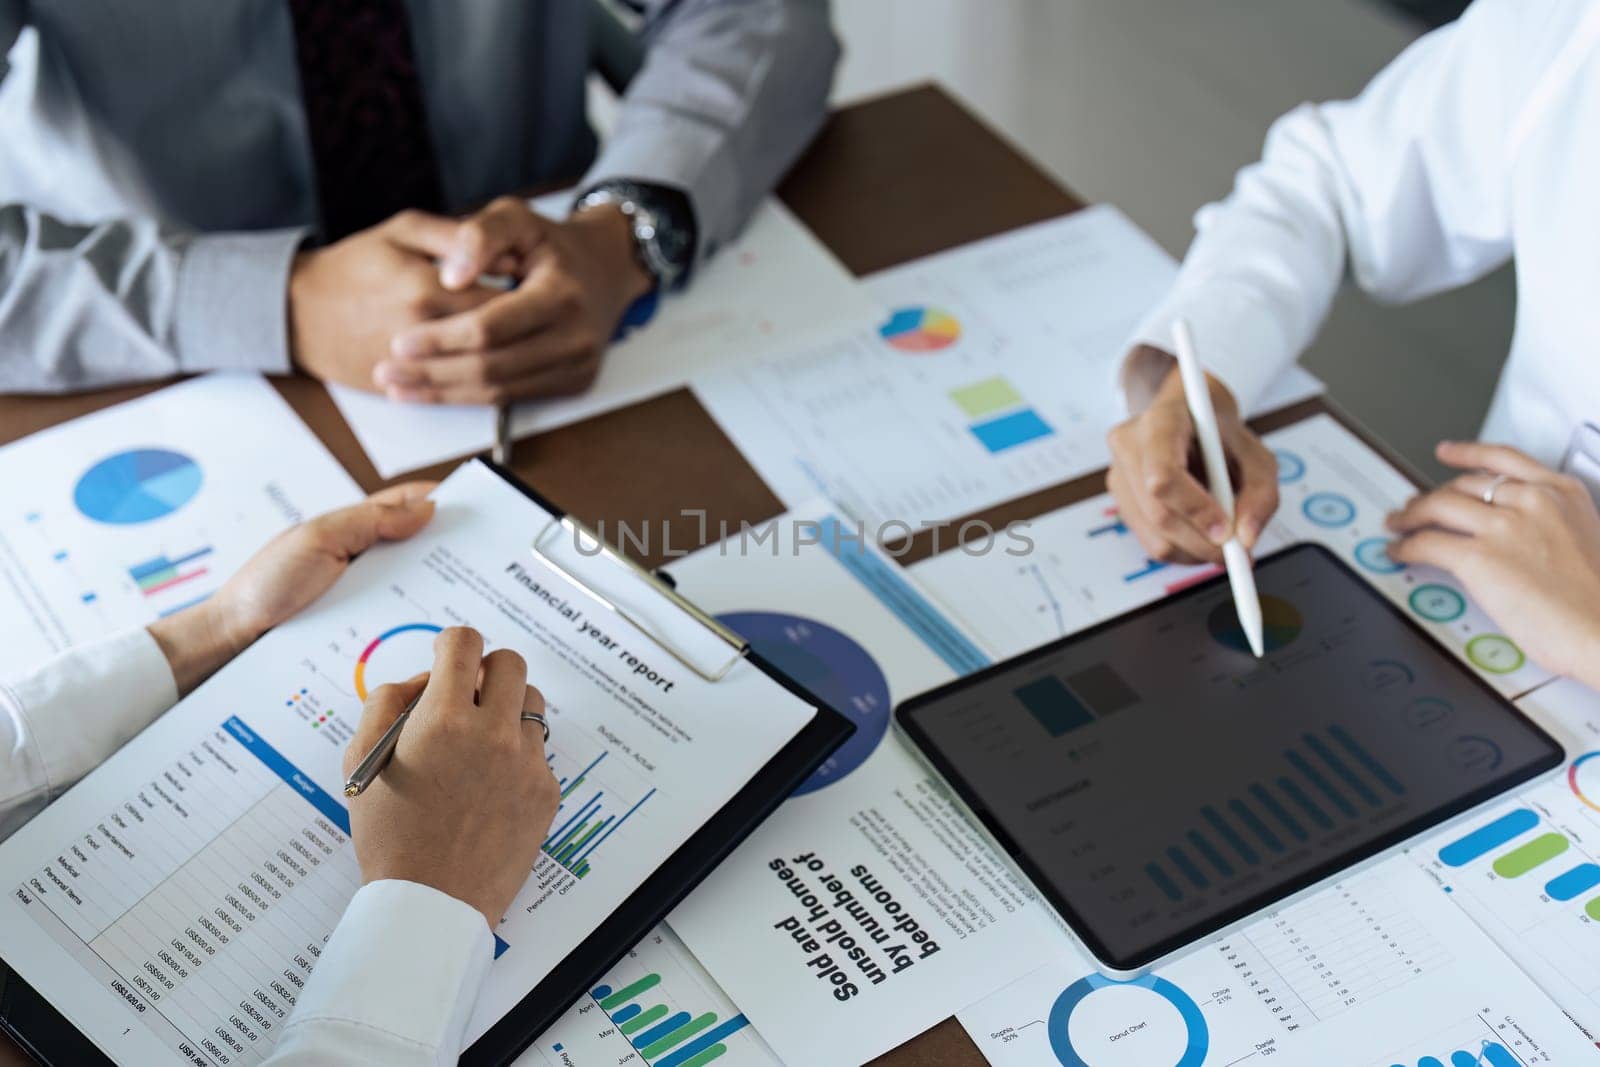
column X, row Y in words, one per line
column 465, row 797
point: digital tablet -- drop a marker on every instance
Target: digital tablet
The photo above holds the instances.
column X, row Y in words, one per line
column 1158, row 783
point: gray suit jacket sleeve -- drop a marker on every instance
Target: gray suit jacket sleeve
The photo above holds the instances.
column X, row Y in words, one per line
column 127, row 300
column 730, row 93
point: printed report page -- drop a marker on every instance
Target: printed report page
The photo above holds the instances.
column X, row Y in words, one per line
column 174, row 902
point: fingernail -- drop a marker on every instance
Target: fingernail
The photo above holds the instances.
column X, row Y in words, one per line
column 1248, row 531
column 457, row 271
column 406, row 346
column 1218, row 532
column 391, row 373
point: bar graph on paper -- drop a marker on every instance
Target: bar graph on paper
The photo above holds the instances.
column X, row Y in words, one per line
column 658, row 1007
column 592, row 810
column 172, row 583
column 1530, row 875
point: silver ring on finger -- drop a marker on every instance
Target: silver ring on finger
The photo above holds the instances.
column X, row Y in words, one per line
column 534, row 716
column 1494, row 487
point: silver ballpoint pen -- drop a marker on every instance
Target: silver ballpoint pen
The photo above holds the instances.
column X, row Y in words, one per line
column 375, row 760
column 502, row 434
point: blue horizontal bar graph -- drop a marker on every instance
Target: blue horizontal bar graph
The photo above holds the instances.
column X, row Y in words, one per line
column 1485, row 839
column 1581, row 879
column 660, row 1030
column 694, row 1048
column 624, row 1014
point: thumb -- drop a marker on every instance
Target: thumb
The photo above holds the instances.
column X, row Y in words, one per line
column 504, row 232
column 383, row 707
column 403, row 510
column 420, row 232
column 390, row 515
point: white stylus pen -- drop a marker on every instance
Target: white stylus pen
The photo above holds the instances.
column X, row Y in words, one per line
column 1241, row 577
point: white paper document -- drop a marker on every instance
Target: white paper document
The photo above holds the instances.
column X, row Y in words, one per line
column 218, row 837
column 992, row 376
column 1086, row 566
column 1379, row 970
column 774, row 283
column 1528, row 871
column 866, row 909
column 117, row 518
column 657, row 1007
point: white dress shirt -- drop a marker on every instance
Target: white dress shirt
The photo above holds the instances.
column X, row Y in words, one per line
column 397, row 981
column 1479, row 143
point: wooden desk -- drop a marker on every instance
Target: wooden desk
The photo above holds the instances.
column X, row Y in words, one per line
column 887, row 181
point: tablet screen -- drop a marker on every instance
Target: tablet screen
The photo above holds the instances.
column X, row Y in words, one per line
column 1158, row 782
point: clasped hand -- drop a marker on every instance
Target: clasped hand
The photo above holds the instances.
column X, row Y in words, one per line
column 400, row 308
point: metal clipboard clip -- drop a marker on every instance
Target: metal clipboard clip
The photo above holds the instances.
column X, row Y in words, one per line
column 580, row 533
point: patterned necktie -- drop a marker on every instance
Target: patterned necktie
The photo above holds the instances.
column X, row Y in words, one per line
column 364, row 112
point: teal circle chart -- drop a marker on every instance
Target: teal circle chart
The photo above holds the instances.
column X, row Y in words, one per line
column 139, row 485
column 1373, row 554
column 1291, row 468
column 1194, row 1052
column 1438, row 603
column 1329, row 510
column 836, row 668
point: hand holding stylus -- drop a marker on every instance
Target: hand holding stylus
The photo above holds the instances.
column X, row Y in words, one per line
column 1241, row 577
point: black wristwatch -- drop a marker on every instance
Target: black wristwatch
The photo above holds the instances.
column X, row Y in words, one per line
column 663, row 224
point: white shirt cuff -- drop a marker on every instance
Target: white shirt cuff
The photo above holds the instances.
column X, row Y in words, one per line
column 397, row 981
column 1236, row 335
column 83, row 705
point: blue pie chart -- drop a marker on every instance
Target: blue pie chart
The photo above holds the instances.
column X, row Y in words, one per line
column 136, row 486
column 832, row 666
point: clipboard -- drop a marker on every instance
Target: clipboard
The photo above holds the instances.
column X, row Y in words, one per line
column 46, row 1035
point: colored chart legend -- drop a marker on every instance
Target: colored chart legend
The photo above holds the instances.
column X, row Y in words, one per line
column 583, row 819
column 921, row 329
column 664, row 1038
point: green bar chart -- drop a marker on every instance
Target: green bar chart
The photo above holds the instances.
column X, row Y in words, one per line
column 662, row 1036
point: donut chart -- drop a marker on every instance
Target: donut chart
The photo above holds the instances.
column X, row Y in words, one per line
column 1495, row 653
column 832, row 665
column 1373, row 554
column 1291, row 468
column 1583, row 778
column 1198, row 1037
column 1437, row 603
column 920, row 329
column 366, row 655
column 1329, row 510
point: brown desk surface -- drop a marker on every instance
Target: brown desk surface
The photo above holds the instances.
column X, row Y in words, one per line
column 887, row 181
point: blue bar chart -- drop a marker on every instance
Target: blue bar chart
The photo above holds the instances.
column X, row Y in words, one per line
column 662, row 1037
column 1329, row 779
column 1513, row 858
column 587, row 815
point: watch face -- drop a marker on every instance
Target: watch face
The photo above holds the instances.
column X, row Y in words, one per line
column 663, row 225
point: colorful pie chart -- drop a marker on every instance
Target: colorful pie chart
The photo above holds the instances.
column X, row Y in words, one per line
column 834, row 667
column 136, row 486
column 1280, row 624
column 921, row 329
